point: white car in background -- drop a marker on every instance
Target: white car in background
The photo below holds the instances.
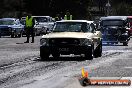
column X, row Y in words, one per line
column 46, row 24
column 43, row 24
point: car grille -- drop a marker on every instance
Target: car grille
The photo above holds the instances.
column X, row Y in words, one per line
column 64, row 41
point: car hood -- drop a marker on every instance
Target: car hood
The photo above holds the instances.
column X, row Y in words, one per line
column 68, row 35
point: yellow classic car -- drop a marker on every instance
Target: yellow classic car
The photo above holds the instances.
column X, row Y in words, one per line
column 72, row 37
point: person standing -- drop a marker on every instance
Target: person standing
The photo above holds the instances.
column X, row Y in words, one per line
column 57, row 17
column 30, row 22
column 68, row 16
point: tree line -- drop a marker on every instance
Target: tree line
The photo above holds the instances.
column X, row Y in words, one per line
column 80, row 9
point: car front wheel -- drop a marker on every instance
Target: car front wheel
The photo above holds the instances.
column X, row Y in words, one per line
column 44, row 56
column 89, row 54
column 12, row 35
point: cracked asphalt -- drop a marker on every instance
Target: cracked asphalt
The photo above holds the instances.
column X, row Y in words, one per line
column 20, row 65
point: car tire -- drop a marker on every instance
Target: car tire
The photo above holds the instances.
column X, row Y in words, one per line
column 98, row 51
column 20, row 35
column 89, row 54
column 125, row 43
column 12, row 35
column 44, row 56
column 16, row 36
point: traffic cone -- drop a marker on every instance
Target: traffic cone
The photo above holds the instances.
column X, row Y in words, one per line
column 84, row 74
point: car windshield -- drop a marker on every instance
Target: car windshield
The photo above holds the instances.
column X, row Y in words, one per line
column 112, row 23
column 6, row 22
column 71, row 27
column 41, row 19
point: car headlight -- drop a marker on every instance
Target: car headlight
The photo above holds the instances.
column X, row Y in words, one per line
column 44, row 42
column 85, row 41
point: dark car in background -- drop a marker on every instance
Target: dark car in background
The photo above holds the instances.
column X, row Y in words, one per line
column 10, row 27
column 114, row 29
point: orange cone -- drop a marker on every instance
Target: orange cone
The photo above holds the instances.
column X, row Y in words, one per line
column 84, row 74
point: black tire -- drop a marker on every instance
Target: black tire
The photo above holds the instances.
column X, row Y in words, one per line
column 125, row 43
column 98, row 51
column 89, row 54
column 44, row 56
column 16, row 36
column 12, row 35
column 116, row 42
column 20, row 35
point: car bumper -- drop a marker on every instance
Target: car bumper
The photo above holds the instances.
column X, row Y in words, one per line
column 65, row 49
column 116, row 39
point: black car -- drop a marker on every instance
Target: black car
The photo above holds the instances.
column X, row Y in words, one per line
column 114, row 29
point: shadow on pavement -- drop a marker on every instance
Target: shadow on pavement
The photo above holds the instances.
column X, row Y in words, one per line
column 20, row 43
column 62, row 59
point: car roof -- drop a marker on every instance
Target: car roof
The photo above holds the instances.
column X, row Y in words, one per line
column 8, row 19
column 76, row 21
column 114, row 17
